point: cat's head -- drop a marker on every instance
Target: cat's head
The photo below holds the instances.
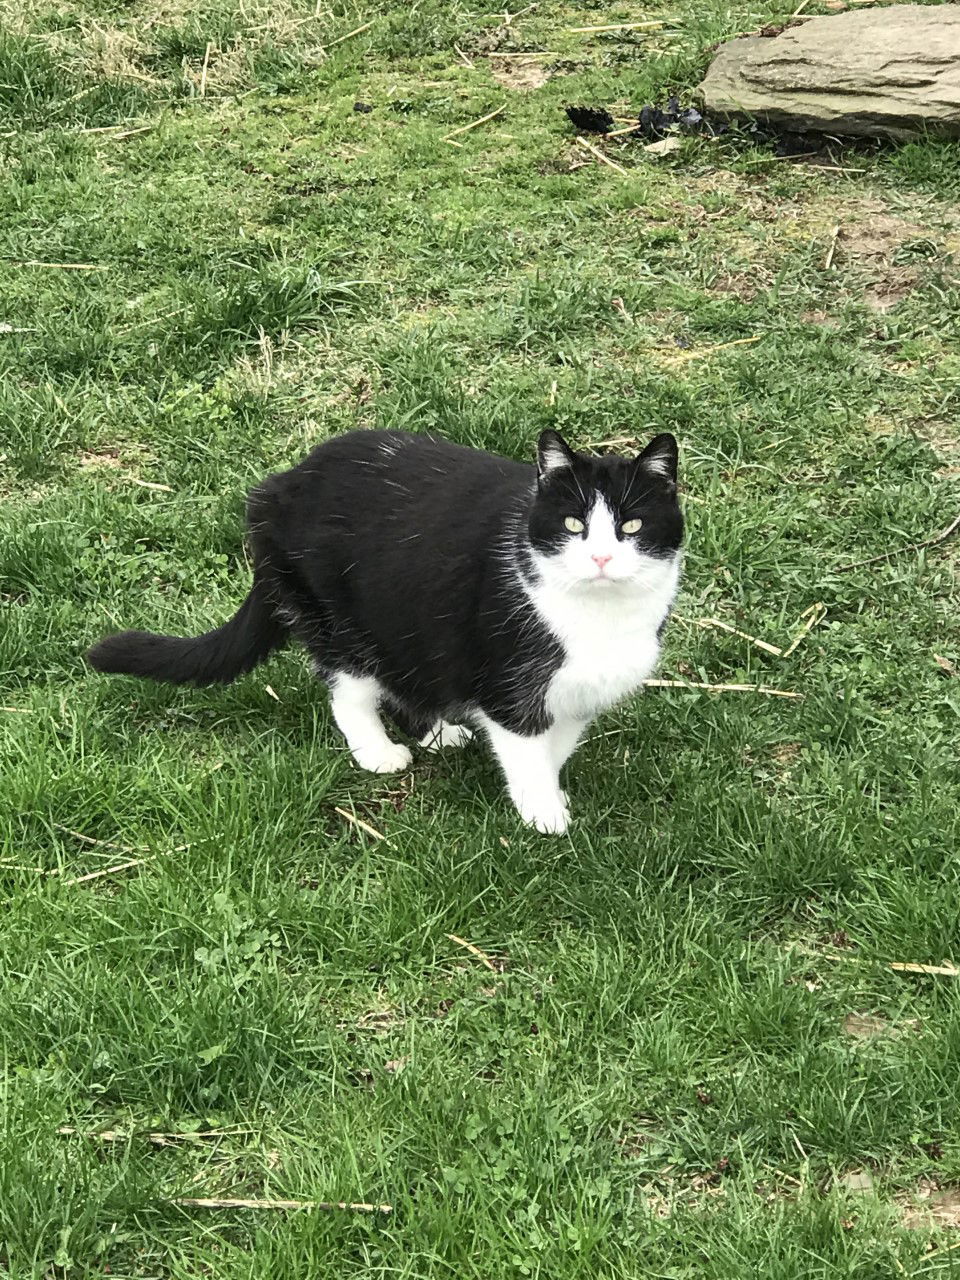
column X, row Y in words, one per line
column 601, row 521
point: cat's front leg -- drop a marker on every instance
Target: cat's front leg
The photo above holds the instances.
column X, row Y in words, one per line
column 531, row 766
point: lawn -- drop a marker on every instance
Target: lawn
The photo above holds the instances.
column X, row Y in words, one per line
column 233, row 966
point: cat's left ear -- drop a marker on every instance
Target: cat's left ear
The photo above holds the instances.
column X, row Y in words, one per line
column 553, row 453
column 660, row 458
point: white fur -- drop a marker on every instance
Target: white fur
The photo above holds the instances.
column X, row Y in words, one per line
column 606, row 617
column 443, row 735
column 532, row 766
column 354, row 701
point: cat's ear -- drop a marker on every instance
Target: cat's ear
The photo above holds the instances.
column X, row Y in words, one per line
column 553, row 453
column 660, row 458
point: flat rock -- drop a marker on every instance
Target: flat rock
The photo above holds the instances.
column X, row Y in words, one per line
column 892, row 72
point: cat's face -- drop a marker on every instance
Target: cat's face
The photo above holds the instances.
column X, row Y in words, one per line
column 600, row 522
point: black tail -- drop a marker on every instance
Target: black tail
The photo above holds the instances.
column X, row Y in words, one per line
column 215, row 658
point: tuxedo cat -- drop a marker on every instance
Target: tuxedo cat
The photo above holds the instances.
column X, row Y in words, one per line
column 450, row 588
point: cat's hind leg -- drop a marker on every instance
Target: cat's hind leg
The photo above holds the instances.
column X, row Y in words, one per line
column 355, row 702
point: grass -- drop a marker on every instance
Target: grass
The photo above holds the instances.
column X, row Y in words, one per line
column 656, row 1079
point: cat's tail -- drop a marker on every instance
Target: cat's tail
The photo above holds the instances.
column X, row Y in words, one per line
column 215, row 658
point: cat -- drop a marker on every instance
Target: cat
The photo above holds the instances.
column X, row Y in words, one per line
column 456, row 590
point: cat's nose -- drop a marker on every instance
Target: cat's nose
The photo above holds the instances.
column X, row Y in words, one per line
column 601, row 561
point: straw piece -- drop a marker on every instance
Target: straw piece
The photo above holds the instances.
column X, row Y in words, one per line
column 614, row 26
column 359, row 822
column 474, row 951
column 725, row 626
column 595, row 151
column 828, row 260
column 723, row 688
column 149, row 484
column 935, row 541
column 814, row 615
column 465, row 128
column 709, row 351
column 195, row 1202
column 205, row 68
column 946, row 970
column 355, row 32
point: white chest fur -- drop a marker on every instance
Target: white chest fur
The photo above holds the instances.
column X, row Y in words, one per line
column 609, row 637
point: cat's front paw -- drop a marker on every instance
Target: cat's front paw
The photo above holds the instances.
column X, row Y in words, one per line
column 548, row 814
column 389, row 759
column 446, row 735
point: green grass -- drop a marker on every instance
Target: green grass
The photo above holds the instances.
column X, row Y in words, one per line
column 657, row 1081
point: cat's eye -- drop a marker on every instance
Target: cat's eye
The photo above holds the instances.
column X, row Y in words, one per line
column 573, row 524
column 631, row 526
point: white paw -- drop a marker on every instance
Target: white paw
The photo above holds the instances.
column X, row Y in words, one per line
column 446, row 735
column 549, row 815
column 389, row 759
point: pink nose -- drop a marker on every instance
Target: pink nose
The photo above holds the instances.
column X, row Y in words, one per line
column 600, row 561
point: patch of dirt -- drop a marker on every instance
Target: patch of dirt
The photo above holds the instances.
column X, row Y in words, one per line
column 821, row 318
column 520, row 74
column 897, row 284
column 106, row 458
column 739, row 284
column 931, row 1206
column 877, row 235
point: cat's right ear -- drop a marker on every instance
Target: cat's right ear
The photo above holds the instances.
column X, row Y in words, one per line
column 553, row 454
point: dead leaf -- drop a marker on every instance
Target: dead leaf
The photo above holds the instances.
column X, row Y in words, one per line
column 395, row 1065
column 949, row 668
column 663, row 147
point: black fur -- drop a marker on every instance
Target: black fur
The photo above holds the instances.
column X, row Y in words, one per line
column 396, row 555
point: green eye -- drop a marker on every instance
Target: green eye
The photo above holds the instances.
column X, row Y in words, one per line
column 573, row 524
column 631, row 526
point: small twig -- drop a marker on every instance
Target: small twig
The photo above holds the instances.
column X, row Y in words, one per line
column 708, row 351
column 194, row 1202
column 463, row 57
column 946, row 970
column 474, row 951
column 465, row 128
column 205, row 68
column 800, row 8
column 359, row 822
column 814, row 616
column 595, row 151
column 355, row 32
column 723, row 688
column 529, row 53
column 828, row 260
column 952, row 527
column 149, row 484
column 19, row 711
column 615, row 26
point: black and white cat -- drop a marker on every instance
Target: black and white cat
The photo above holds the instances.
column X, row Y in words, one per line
column 451, row 587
